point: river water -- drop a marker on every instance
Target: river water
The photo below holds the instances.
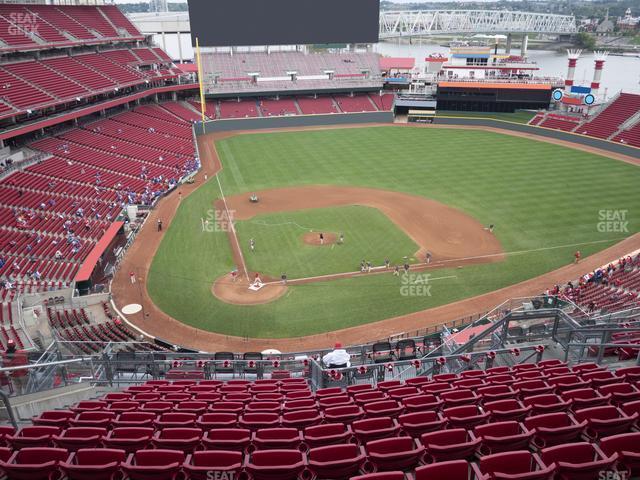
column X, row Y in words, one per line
column 620, row 73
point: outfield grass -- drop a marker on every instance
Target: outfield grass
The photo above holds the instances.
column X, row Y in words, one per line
column 539, row 196
column 368, row 235
column 520, row 116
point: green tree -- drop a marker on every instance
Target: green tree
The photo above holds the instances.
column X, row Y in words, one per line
column 585, row 41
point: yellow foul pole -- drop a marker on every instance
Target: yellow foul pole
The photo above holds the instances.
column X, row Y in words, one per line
column 203, row 106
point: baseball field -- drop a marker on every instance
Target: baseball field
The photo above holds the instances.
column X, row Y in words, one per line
column 394, row 193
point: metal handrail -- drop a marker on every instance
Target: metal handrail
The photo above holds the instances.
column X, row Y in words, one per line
column 7, row 405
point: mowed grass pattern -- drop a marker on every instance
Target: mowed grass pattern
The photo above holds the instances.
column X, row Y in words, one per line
column 543, row 198
column 368, row 235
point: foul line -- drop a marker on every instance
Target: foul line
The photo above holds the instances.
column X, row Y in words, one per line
column 383, row 269
column 233, row 229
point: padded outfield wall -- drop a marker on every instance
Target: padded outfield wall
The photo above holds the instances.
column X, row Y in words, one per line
column 293, row 121
column 542, row 132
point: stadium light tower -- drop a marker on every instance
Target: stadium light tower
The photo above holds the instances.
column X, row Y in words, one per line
column 599, row 58
column 573, row 61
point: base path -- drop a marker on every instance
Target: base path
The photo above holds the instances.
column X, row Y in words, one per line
column 155, row 322
column 444, row 231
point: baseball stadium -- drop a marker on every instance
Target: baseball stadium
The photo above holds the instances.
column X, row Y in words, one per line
column 290, row 255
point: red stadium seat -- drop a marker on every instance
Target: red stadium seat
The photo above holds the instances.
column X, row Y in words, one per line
column 502, row 437
column 129, row 439
column 227, row 407
column 128, row 406
column 184, row 439
column 631, row 408
column 76, row 438
column 585, row 398
column 578, row 461
column 605, row 420
column 89, row 405
column 598, row 378
column 199, row 465
column 93, row 419
column 301, row 418
column 336, row 461
column 399, row 453
column 327, row 434
column 175, row 420
column 508, row 409
column 451, row 470
column 335, row 401
column 385, row 408
column 35, row 436
column 302, row 404
column 466, row 416
column 275, row 464
column 518, row 465
column 135, row 419
column 546, row 403
column 417, row 423
column 328, row 392
column 495, row 392
column 554, row 428
column 153, row 464
column 5, row 430
column 54, row 418
column 568, row 382
column 277, row 438
column 93, row 464
column 457, row 397
column 362, row 398
column 453, row 444
column 629, row 374
column 375, row 428
column 34, row 463
column 527, row 388
column 627, row 446
column 237, row 439
column 217, row 420
column 156, row 407
column 346, row 414
column 256, row 420
column 620, row 392
column 422, row 402
column 396, row 475
column 402, row 392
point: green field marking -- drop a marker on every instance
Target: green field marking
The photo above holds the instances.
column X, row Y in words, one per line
column 369, row 235
column 543, row 198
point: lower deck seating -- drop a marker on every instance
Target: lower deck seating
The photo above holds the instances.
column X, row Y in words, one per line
column 281, row 429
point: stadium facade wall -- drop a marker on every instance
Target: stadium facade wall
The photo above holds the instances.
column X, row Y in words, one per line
column 542, row 132
column 294, row 121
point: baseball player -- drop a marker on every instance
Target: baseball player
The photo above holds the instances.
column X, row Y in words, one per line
column 252, row 245
column 321, row 238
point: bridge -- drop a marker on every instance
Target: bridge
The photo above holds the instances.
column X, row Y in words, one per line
column 431, row 22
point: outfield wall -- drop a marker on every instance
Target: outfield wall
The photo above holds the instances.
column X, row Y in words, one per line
column 542, row 132
column 293, row 121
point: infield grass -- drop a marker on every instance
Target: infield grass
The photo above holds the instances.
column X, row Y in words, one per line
column 544, row 199
column 368, row 235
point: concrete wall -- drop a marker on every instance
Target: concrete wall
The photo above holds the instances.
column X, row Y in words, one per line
column 259, row 123
column 543, row 132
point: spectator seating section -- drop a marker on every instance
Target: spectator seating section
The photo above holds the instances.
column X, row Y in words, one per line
column 162, row 428
column 630, row 136
column 92, row 174
column 36, row 84
column 607, row 122
column 50, row 26
column 560, row 122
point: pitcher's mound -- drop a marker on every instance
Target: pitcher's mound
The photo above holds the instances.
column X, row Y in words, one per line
column 313, row 238
column 238, row 293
